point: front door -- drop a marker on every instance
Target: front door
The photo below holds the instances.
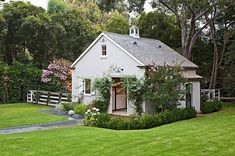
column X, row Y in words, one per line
column 119, row 98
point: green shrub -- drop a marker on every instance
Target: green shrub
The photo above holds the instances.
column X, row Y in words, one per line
column 144, row 122
column 211, row 106
column 118, row 124
column 102, row 105
column 69, row 106
column 149, row 121
column 135, row 123
column 189, row 113
column 102, row 120
column 80, row 109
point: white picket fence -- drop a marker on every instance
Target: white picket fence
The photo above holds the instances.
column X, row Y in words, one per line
column 47, row 98
column 211, row 94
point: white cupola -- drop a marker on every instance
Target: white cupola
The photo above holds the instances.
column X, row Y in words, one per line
column 134, row 31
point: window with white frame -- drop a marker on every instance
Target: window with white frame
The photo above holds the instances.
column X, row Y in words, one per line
column 104, row 50
column 87, row 86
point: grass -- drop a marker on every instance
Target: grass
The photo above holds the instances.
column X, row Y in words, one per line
column 12, row 115
column 211, row 134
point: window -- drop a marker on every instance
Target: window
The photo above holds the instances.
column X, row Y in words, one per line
column 87, row 86
column 189, row 90
column 104, row 52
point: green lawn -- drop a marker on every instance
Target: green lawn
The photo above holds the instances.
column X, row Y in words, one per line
column 211, row 135
column 12, row 115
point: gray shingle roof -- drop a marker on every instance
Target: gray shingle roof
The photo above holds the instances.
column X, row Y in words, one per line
column 150, row 51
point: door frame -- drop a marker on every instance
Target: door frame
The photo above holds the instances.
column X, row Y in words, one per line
column 115, row 96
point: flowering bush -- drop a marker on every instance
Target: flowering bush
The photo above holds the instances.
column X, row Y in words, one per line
column 59, row 69
column 91, row 116
column 164, row 86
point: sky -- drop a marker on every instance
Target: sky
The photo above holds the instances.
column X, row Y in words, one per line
column 43, row 3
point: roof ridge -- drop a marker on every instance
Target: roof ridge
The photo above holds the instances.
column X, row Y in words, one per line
column 130, row 36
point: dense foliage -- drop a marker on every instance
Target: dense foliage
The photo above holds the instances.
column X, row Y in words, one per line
column 118, row 23
column 161, row 27
column 165, row 86
column 144, row 122
column 211, row 106
column 102, row 88
column 162, row 87
column 80, row 109
column 135, row 91
column 17, row 79
column 69, row 106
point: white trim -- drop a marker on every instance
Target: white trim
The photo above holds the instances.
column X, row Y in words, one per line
column 103, row 56
column 94, row 42
column 87, row 49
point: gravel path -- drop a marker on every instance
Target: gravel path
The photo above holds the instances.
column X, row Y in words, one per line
column 38, row 127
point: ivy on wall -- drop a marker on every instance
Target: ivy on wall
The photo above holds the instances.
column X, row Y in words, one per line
column 102, row 87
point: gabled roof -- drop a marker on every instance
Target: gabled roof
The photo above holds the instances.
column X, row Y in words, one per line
column 150, row 51
column 143, row 50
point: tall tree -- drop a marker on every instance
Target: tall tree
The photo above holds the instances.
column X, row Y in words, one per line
column 111, row 5
column 57, row 6
column 14, row 14
column 189, row 14
column 160, row 26
column 41, row 36
column 221, row 31
column 227, row 72
column 3, row 32
column 118, row 23
column 136, row 6
column 78, row 36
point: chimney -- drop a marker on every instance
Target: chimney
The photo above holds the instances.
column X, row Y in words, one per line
column 134, row 32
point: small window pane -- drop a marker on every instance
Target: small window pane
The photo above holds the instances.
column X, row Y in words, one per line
column 87, row 86
column 103, row 50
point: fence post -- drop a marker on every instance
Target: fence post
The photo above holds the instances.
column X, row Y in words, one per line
column 37, row 96
column 48, row 97
column 60, row 95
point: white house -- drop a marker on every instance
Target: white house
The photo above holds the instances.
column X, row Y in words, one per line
column 128, row 54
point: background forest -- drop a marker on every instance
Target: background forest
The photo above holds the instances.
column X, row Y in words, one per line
column 31, row 37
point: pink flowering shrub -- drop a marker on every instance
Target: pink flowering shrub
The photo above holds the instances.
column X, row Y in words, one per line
column 58, row 69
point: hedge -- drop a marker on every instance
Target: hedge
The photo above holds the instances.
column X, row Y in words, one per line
column 17, row 79
column 144, row 122
column 211, row 106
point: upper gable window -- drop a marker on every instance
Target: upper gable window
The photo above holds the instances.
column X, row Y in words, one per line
column 104, row 50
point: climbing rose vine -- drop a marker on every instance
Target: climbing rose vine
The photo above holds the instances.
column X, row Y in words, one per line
column 58, row 69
